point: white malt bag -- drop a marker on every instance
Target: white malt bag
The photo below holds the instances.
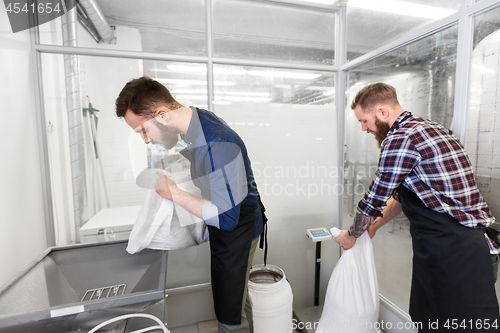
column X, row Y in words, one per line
column 162, row 224
column 352, row 299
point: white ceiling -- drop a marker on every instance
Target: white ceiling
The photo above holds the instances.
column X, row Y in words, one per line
column 248, row 27
column 366, row 29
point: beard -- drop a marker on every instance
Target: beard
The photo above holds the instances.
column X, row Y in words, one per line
column 169, row 136
column 382, row 130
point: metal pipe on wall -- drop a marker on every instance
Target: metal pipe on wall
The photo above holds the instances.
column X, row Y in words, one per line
column 99, row 21
column 75, row 120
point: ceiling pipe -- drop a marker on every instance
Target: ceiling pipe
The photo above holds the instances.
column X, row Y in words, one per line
column 98, row 20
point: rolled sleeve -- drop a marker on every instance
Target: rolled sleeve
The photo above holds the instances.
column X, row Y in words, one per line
column 210, row 214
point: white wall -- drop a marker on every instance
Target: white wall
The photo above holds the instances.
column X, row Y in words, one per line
column 22, row 235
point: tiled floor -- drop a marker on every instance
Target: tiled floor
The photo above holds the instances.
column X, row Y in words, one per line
column 194, row 329
column 393, row 258
column 186, row 329
column 208, row 327
column 203, row 327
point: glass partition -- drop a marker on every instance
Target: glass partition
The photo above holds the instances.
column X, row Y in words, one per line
column 423, row 74
column 172, row 27
column 483, row 126
column 95, row 157
column 265, row 31
column 186, row 81
column 287, row 119
column 371, row 24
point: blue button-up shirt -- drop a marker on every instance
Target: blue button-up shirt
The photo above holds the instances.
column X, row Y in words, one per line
column 223, row 171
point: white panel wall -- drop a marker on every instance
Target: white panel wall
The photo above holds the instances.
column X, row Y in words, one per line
column 22, row 225
column 293, row 150
column 102, row 80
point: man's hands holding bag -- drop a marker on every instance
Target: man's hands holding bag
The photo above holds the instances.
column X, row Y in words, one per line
column 165, row 186
column 346, row 241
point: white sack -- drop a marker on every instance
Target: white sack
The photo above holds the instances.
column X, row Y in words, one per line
column 163, row 225
column 352, row 299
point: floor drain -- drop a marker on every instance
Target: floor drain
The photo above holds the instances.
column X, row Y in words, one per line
column 104, row 292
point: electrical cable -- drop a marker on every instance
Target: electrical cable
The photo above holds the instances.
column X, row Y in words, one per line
column 136, row 315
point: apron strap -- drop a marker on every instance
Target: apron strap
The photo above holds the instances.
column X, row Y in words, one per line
column 263, row 235
column 245, row 210
column 493, row 235
column 263, row 240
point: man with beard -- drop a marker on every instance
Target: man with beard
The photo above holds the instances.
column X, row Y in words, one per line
column 220, row 167
column 424, row 172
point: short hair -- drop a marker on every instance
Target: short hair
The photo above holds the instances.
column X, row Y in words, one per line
column 142, row 96
column 373, row 94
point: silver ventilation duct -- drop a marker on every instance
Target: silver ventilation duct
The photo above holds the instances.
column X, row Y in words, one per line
column 75, row 120
column 95, row 22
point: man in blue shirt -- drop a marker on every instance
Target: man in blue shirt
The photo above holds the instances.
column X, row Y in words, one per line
column 220, row 167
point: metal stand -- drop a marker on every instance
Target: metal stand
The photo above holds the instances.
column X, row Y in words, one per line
column 311, row 315
column 317, row 273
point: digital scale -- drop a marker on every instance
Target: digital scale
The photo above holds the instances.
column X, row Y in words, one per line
column 313, row 314
column 318, row 234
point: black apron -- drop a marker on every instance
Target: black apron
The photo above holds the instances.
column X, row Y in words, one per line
column 452, row 284
column 229, row 259
column 229, row 252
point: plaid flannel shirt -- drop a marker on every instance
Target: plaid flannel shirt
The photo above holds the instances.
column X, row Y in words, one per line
column 424, row 157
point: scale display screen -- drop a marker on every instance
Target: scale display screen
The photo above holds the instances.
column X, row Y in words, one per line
column 319, row 234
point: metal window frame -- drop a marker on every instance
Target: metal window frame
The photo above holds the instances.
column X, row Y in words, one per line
column 465, row 39
column 301, row 5
column 462, row 71
column 340, row 87
column 50, row 232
